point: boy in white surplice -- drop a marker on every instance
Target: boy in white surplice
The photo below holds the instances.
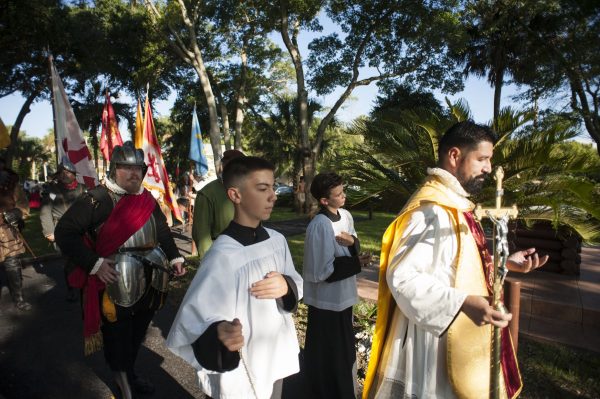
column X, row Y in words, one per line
column 234, row 324
column 331, row 262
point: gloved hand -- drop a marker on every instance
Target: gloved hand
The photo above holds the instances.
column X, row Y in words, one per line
column 14, row 217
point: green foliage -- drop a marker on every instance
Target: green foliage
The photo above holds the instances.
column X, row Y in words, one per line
column 390, row 164
column 548, row 180
column 551, row 370
column 403, row 96
column 276, row 137
column 543, row 175
column 33, row 234
column 396, row 37
column 26, row 29
column 30, row 149
column 551, row 47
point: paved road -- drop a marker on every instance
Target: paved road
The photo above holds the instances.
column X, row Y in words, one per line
column 41, row 354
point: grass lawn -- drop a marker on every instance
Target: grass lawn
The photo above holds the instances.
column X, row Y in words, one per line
column 33, row 234
column 549, row 370
column 283, row 212
column 369, row 232
column 552, row 370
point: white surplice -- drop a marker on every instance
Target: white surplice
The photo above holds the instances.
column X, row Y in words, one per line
column 320, row 251
column 421, row 275
column 220, row 291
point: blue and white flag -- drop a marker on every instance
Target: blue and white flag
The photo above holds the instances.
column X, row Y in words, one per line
column 196, row 148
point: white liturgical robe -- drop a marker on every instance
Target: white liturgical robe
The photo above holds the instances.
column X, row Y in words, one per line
column 320, row 250
column 220, row 291
column 420, row 275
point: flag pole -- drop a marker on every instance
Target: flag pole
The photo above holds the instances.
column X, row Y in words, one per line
column 52, row 103
column 108, row 133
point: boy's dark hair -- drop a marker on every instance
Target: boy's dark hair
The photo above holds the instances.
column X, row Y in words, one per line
column 464, row 135
column 238, row 168
column 323, row 183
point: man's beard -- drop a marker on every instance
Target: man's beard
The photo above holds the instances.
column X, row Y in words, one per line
column 474, row 185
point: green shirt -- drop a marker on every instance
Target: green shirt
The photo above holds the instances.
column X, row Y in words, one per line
column 212, row 213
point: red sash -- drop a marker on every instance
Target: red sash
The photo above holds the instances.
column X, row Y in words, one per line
column 129, row 214
column 510, row 369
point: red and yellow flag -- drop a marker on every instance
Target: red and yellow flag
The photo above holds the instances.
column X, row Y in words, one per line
column 138, row 135
column 156, row 177
column 110, row 130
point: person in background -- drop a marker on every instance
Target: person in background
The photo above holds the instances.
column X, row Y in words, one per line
column 117, row 235
column 300, row 194
column 332, row 259
column 13, row 207
column 60, row 194
column 212, row 210
column 35, row 198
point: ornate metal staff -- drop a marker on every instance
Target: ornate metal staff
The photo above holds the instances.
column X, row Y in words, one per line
column 499, row 217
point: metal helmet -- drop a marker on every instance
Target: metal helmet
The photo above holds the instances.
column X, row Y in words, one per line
column 66, row 164
column 126, row 154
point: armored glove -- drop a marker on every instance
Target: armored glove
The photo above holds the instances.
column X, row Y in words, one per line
column 14, row 217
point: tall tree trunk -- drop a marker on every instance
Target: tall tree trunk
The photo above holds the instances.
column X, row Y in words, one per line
column 222, row 110
column 240, row 98
column 94, row 142
column 191, row 54
column 536, row 109
column 214, row 132
column 296, row 173
column 292, row 46
column 14, row 131
column 590, row 119
column 498, row 83
column 225, row 123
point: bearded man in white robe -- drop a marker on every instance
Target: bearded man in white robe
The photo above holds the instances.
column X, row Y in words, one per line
column 433, row 332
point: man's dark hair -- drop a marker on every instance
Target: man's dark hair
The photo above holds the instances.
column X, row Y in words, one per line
column 465, row 135
column 231, row 154
column 239, row 168
column 323, row 183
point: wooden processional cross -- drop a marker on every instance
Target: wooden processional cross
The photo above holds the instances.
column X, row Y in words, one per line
column 499, row 217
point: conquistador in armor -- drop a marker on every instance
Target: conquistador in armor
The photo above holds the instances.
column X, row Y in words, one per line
column 118, row 237
column 60, row 194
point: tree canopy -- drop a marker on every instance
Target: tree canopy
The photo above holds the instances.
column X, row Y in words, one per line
column 255, row 95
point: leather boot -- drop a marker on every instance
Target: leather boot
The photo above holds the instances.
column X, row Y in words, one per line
column 123, row 384
column 14, row 276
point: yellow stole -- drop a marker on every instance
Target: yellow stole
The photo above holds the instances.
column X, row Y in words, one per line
column 469, row 345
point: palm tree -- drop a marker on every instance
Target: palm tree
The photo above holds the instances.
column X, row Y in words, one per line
column 276, row 135
column 546, row 181
column 493, row 43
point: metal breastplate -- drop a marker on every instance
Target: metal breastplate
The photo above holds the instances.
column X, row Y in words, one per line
column 131, row 283
column 144, row 238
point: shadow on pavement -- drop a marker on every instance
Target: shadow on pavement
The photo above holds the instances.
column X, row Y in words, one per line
column 41, row 352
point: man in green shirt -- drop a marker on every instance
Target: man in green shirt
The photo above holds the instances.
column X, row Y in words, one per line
column 212, row 209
